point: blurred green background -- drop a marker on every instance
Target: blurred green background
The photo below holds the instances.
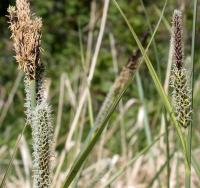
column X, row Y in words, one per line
column 63, row 20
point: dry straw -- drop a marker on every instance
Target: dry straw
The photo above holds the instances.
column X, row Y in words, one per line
column 26, row 35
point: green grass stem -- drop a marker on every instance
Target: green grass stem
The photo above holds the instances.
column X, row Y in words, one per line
column 157, row 82
column 189, row 134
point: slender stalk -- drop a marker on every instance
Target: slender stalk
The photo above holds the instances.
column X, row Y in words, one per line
column 189, row 134
column 167, row 150
column 142, row 99
column 111, row 101
column 90, row 143
column 155, row 49
column 26, row 35
column 90, row 74
column 181, row 94
column 84, row 65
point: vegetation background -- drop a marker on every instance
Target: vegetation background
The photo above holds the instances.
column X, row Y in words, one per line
column 70, row 31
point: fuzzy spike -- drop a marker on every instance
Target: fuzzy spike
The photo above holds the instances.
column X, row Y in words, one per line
column 42, row 132
column 121, row 82
column 177, row 32
column 180, row 83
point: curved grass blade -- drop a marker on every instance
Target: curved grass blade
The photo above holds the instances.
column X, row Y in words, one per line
column 157, row 83
column 90, row 143
column 155, row 49
column 165, row 21
column 97, row 130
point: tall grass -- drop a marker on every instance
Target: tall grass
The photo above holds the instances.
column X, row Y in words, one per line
column 111, row 101
column 79, row 160
column 26, row 34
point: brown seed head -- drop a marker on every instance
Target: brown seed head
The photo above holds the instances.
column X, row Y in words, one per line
column 26, row 35
column 129, row 69
column 177, row 37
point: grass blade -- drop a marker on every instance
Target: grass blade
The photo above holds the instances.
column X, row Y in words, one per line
column 167, row 149
column 97, row 130
column 189, row 134
column 142, row 99
column 155, row 49
column 111, row 101
column 90, row 144
column 157, row 82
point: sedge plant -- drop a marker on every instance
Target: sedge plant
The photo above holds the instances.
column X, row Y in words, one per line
column 26, row 35
column 111, row 101
column 181, row 94
column 180, row 83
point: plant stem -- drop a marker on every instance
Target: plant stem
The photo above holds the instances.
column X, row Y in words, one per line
column 189, row 134
column 33, row 94
column 156, row 79
column 167, row 149
column 155, row 49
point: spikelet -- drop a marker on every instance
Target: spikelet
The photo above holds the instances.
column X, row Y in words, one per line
column 181, row 94
column 120, row 83
column 26, row 35
column 118, row 86
column 42, row 133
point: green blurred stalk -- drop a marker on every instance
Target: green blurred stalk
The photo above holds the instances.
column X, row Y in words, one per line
column 153, row 42
column 189, row 134
column 142, row 99
column 167, row 149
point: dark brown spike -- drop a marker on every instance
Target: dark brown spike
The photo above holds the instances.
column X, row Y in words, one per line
column 177, row 37
column 132, row 61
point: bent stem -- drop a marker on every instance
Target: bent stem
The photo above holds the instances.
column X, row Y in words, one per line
column 157, row 83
